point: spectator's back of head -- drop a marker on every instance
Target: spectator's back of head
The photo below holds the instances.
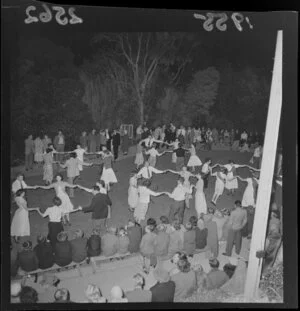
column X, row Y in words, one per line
column 164, row 220
column 151, row 222
column 62, row 236
column 116, row 293
column 112, row 230
column 78, row 234
column 62, row 294
column 93, row 294
column 139, row 280
column 28, row 295
column 214, row 263
column 176, row 225
column 183, row 265
column 15, row 288
column 193, row 220
column 188, row 226
column 27, row 246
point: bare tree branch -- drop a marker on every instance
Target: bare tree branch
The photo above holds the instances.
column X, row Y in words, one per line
column 147, row 51
column 140, row 37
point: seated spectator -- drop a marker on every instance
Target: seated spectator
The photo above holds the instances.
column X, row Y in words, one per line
column 152, row 223
column 161, row 243
column 44, row 252
column 79, row 246
column 176, row 242
column 134, row 233
column 63, row 250
column 93, row 294
column 189, row 240
column 177, row 256
column 123, row 241
column 215, row 277
column 165, row 221
column 201, row 234
column 220, row 221
column 14, row 262
column 147, row 249
column 27, row 258
column 109, row 242
column 15, row 291
column 193, row 220
column 62, row 295
column 28, row 295
column 94, row 244
column 229, row 268
column 185, row 281
column 117, row 295
column 200, row 276
column 139, row 294
column 164, row 289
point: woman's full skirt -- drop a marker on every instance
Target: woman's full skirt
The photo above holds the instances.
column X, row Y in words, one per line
column 140, row 211
column 20, row 224
column 194, row 161
column 133, row 197
column 200, row 203
column 108, row 176
column 139, row 159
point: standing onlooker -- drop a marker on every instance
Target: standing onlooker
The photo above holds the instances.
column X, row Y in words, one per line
column 215, row 278
column 116, row 141
column 238, row 219
column 201, row 234
column 83, row 140
column 189, row 240
column 139, row 294
column 59, row 144
column 125, row 142
column 92, row 139
column 161, row 243
column 147, row 249
column 44, row 252
column 134, row 232
column 38, row 151
column 109, row 242
column 63, row 250
column 164, row 289
column 29, row 152
column 212, row 236
column 27, row 258
column 46, row 141
column 185, row 280
column 79, row 246
column 139, row 132
column 176, row 241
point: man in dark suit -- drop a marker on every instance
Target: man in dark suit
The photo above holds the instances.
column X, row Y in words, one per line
column 44, row 253
column 99, row 205
column 63, row 250
column 134, row 232
column 94, row 244
column 116, row 141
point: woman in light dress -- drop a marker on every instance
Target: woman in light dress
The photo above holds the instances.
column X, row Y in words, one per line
column 248, row 196
column 48, row 166
column 194, row 159
column 139, row 158
column 175, row 146
column 108, row 175
column 38, row 150
column 133, row 195
column 200, row 200
column 153, row 154
column 20, row 225
column 219, row 185
column 60, row 189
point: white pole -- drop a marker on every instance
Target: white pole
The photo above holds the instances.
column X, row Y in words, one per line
column 266, row 176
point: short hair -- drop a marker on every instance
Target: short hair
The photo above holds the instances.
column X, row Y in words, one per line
column 96, row 231
column 207, row 159
column 28, row 295
column 96, row 188
column 73, row 155
column 41, row 238
column 78, row 233
column 60, row 175
column 27, row 245
column 188, row 226
column 193, row 220
column 214, row 262
column 229, row 269
column 102, row 183
column 183, row 265
column 238, row 203
column 57, row 201
column 210, row 210
column 48, row 150
column 146, row 183
column 164, row 220
column 62, row 236
column 139, row 280
column 62, row 294
column 151, row 222
column 20, row 192
column 19, row 174
column 149, row 228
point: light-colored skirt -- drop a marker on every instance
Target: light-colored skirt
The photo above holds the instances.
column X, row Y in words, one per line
column 200, row 203
column 248, row 197
column 139, row 159
column 20, row 224
column 152, row 161
column 66, row 203
column 174, row 157
column 194, row 161
column 133, row 196
column 233, row 184
column 140, row 211
column 108, row 176
column 48, row 173
column 219, row 187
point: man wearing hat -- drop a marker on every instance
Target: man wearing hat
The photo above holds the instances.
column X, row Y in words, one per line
column 215, row 277
column 27, row 258
column 164, row 289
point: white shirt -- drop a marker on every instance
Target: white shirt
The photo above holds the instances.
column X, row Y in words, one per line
column 152, row 152
column 146, row 172
column 54, row 213
column 144, row 194
column 244, row 136
column 61, row 140
column 179, row 192
column 17, row 185
column 205, row 168
column 80, row 152
column 257, row 152
column 148, row 141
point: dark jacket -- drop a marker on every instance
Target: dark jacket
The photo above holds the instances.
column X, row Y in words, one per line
column 163, row 292
column 98, row 206
column 63, row 253
column 135, row 237
column 201, row 237
column 116, row 139
column 189, row 242
column 162, row 244
column 216, row 278
column 45, row 255
column 94, row 246
column 110, row 243
column 28, row 260
column 79, row 249
column 14, row 262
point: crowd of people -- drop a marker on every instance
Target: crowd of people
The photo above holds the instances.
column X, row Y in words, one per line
column 169, row 239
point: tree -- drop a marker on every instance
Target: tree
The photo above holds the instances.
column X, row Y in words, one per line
column 201, row 93
column 140, row 55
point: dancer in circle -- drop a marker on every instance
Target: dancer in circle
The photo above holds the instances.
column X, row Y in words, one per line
column 219, row 185
column 19, row 183
column 147, row 171
column 153, row 155
column 248, row 196
column 205, row 170
column 139, row 158
column 175, row 145
column 144, row 199
column 194, row 159
column 200, row 200
column 133, row 195
column 60, row 188
column 108, row 175
column 20, row 225
column 48, row 166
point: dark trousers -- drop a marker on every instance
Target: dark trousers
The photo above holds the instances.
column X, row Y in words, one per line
column 108, row 144
column 29, row 161
column 177, row 211
column 54, row 228
column 234, row 238
column 205, row 181
column 116, row 151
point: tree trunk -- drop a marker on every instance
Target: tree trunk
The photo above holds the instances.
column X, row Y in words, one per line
column 141, row 106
